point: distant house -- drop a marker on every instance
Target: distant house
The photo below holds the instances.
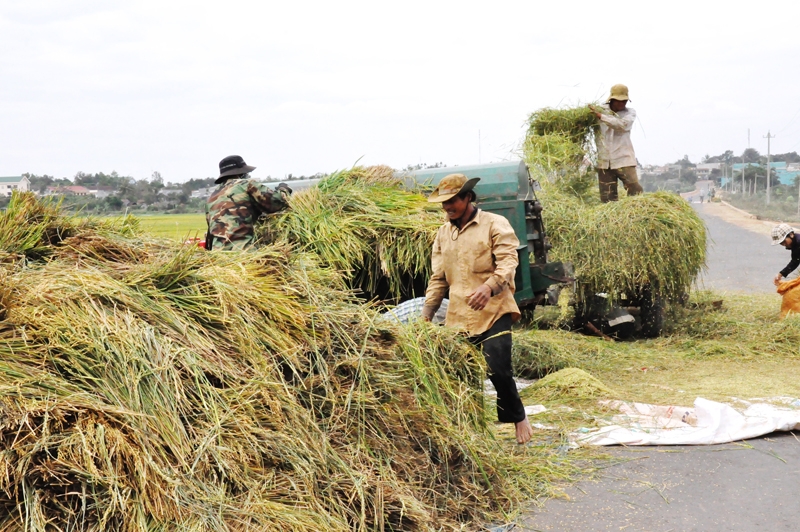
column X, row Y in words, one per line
column 704, row 170
column 77, row 190
column 10, row 184
column 655, row 170
column 73, row 190
column 101, row 192
column 786, row 173
column 203, row 192
column 169, row 192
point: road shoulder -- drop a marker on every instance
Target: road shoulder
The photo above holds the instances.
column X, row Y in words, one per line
column 738, row 217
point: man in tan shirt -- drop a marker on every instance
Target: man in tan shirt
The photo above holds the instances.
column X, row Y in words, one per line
column 475, row 257
column 615, row 157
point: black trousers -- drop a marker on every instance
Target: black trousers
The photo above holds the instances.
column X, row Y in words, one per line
column 496, row 346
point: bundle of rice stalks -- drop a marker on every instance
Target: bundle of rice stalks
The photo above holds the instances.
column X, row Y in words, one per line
column 30, row 227
column 560, row 143
column 568, row 383
column 651, row 241
column 559, row 149
column 577, row 123
column 540, row 353
column 146, row 386
column 362, row 222
column 552, row 153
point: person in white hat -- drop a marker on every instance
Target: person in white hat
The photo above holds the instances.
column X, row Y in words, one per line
column 475, row 258
column 784, row 235
column 616, row 160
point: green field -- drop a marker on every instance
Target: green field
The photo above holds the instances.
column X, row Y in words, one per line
column 177, row 226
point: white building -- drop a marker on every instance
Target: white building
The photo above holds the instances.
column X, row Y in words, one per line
column 652, row 169
column 203, row 192
column 704, row 170
column 10, row 184
column 101, row 192
column 70, row 190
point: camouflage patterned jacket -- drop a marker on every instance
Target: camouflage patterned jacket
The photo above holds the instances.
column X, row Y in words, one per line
column 233, row 209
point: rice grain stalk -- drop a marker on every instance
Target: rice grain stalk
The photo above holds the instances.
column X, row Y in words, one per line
column 364, row 223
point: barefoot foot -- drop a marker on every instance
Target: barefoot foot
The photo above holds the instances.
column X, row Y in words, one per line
column 524, row 431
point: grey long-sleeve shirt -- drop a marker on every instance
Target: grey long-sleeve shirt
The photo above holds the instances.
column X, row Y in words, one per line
column 614, row 147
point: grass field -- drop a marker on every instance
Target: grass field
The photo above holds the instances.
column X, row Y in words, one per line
column 175, row 226
column 737, row 347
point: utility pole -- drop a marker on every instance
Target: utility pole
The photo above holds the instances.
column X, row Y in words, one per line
column 725, row 175
column 755, row 183
column 768, row 137
column 743, row 167
column 729, row 171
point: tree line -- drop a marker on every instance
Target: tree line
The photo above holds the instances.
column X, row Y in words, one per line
column 681, row 175
column 125, row 192
column 752, row 156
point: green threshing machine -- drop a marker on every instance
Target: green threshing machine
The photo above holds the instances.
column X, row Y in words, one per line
column 507, row 189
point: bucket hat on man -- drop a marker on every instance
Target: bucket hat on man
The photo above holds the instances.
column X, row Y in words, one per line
column 450, row 186
column 618, row 92
column 232, row 165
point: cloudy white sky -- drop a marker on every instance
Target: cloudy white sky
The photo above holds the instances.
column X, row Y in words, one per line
column 312, row 86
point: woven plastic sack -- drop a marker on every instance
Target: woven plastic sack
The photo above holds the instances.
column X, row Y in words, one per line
column 790, row 290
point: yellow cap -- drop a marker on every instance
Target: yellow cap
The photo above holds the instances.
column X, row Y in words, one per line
column 618, row 92
column 451, row 185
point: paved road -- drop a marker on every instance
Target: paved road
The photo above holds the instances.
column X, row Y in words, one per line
column 746, row 486
column 739, row 259
column 739, row 486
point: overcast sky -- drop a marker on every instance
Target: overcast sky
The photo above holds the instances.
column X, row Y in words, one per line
column 304, row 87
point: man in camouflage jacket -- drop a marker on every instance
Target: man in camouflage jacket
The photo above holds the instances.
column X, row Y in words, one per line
column 234, row 208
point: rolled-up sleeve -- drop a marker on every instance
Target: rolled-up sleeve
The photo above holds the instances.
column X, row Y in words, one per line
column 267, row 199
column 618, row 123
column 504, row 250
column 437, row 286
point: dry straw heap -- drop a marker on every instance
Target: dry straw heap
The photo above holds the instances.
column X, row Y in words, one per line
column 654, row 241
column 364, row 223
column 149, row 386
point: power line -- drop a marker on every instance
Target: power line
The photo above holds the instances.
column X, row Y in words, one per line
column 790, row 121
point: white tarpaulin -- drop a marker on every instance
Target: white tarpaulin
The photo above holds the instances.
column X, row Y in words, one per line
column 707, row 423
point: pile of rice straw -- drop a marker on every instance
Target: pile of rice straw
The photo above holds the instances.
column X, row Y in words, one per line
column 651, row 240
column 148, row 386
column 364, row 223
column 568, row 383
